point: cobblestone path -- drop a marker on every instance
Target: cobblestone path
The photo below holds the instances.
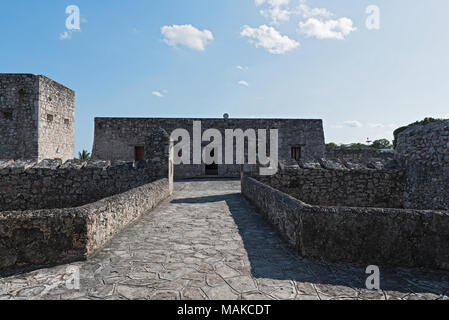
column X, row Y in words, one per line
column 209, row 243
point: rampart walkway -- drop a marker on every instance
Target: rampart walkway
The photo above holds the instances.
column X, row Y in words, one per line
column 209, row 243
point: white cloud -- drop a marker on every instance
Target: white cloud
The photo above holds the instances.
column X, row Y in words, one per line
column 381, row 125
column 276, row 14
column 305, row 11
column 187, row 35
column 330, row 29
column 242, row 68
column 269, row 39
column 272, row 3
column 352, row 124
column 277, row 10
column 157, row 94
column 66, row 35
column 348, row 124
column 281, row 10
column 243, row 83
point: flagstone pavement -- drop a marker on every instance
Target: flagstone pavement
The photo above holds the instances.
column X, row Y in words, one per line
column 208, row 242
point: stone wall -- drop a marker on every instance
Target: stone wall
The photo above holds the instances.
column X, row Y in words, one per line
column 50, row 184
column 36, row 118
column 336, row 183
column 370, row 236
column 363, row 154
column 159, row 153
column 19, row 111
column 116, row 138
column 56, row 120
column 424, row 152
column 37, row 238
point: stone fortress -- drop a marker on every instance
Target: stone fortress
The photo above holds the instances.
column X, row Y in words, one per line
column 53, row 209
column 124, row 138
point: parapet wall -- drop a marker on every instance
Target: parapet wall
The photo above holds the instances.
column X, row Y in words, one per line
column 334, row 183
column 370, row 236
column 424, row 152
column 363, row 154
column 37, row 238
column 26, row 185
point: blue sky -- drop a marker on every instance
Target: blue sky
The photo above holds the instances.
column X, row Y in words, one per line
column 362, row 83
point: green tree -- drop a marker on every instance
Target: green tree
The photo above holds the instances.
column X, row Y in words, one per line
column 381, row 144
column 331, row 145
column 84, row 155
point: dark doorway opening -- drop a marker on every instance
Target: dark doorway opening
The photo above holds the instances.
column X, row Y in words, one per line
column 139, row 153
column 212, row 169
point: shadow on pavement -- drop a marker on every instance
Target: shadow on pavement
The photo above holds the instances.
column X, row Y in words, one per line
column 270, row 257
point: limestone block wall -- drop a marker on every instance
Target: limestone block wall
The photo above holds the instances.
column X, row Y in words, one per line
column 37, row 118
column 19, row 112
column 369, row 236
column 37, row 238
column 424, row 152
column 117, row 138
column 49, row 184
column 364, row 154
column 56, row 121
column 332, row 183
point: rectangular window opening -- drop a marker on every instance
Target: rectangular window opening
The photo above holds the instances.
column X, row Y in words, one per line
column 296, row 153
column 139, row 153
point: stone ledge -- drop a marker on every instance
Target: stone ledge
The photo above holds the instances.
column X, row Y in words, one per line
column 37, row 238
column 340, row 165
column 357, row 187
column 50, row 184
column 396, row 237
column 23, row 166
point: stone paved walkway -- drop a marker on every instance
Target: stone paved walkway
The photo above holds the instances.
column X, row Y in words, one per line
column 209, row 243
